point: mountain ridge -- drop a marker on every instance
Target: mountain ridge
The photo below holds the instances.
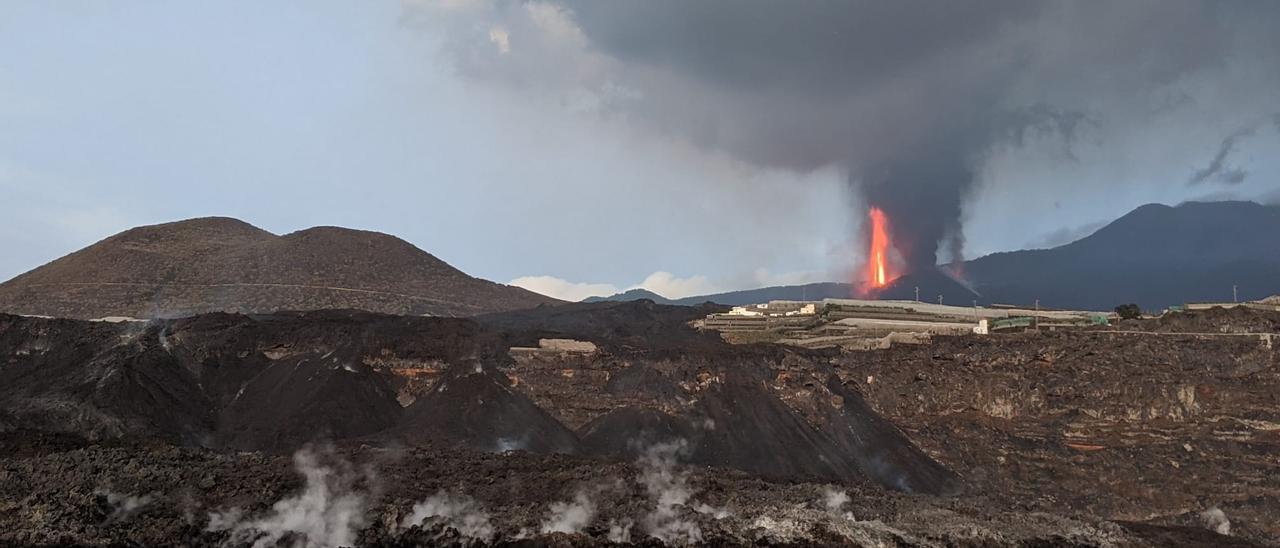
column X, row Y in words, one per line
column 221, row 264
column 1156, row 256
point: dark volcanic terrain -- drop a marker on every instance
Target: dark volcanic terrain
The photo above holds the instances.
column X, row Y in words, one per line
column 501, row 429
column 217, row 264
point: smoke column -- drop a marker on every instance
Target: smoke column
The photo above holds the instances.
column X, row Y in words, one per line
column 911, row 98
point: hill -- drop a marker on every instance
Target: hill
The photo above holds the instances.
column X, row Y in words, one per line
column 810, row 292
column 218, row 264
column 806, row 292
column 1155, row 256
column 631, row 295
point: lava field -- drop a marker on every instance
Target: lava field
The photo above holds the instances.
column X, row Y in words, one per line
column 352, row 428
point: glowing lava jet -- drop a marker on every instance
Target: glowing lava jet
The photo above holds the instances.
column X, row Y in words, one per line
column 879, row 270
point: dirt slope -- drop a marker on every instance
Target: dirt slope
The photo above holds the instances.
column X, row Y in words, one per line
column 199, row 381
column 477, row 407
column 221, row 264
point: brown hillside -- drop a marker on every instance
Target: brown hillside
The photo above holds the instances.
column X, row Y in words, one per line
column 221, row 264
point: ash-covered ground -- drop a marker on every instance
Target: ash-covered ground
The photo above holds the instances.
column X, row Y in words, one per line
column 347, row 428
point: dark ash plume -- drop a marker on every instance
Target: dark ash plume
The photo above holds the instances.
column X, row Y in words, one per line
column 1218, row 170
column 913, row 98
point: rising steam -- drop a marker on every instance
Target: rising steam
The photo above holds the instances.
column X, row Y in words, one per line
column 328, row 511
column 620, row 530
column 455, row 510
column 834, row 501
column 669, row 489
column 123, row 505
column 570, row 517
column 1214, row 519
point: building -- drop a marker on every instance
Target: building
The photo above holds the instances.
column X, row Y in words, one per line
column 872, row 323
column 1271, row 303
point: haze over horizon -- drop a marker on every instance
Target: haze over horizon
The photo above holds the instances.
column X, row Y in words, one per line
column 543, row 144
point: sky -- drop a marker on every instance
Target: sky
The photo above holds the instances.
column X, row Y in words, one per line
column 587, row 148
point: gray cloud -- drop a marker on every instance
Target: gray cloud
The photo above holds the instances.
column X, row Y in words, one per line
column 1218, row 170
column 1233, row 176
column 910, row 97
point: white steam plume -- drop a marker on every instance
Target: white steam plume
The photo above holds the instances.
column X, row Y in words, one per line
column 458, row 511
column 1216, row 520
column 834, row 500
column 570, row 517
column 709, row 510
column 328, row 512
column 620, row 530
column 123, row 505
column 669, row 489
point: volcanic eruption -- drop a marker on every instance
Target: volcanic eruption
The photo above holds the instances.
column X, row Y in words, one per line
column 903, row 264
column 879, row 269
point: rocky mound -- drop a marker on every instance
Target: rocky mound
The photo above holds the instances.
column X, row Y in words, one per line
column 475, row 406
column 275, row 382
column 775, row 411
column 206, row 381
column 627, row 431
column 1236, row 319
column 224, row 265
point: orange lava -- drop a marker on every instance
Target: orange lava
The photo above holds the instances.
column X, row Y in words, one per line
column 877, row 258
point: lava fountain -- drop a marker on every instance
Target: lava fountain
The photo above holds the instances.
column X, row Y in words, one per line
column 879, row 268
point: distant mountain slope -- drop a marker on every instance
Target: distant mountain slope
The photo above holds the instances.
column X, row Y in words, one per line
column 806, row 292
column 631, row 295
column 222, row 264
column 1155, row 256
column 933, row 286
column 814, row 291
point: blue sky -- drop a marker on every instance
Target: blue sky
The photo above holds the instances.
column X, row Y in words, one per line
column 296, row 114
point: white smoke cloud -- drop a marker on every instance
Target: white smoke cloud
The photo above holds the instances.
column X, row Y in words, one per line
column 458, row 511
column 552, row 286
column 570, row 517
column 713, row 511
column 834, row 500
column 1216, row 520
column 671, row 287
column 506, row 445
column 328, row 511
column 620, row 530
column 123, row 505
column 501, row 38
column 669, row 489
column 660, row 282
